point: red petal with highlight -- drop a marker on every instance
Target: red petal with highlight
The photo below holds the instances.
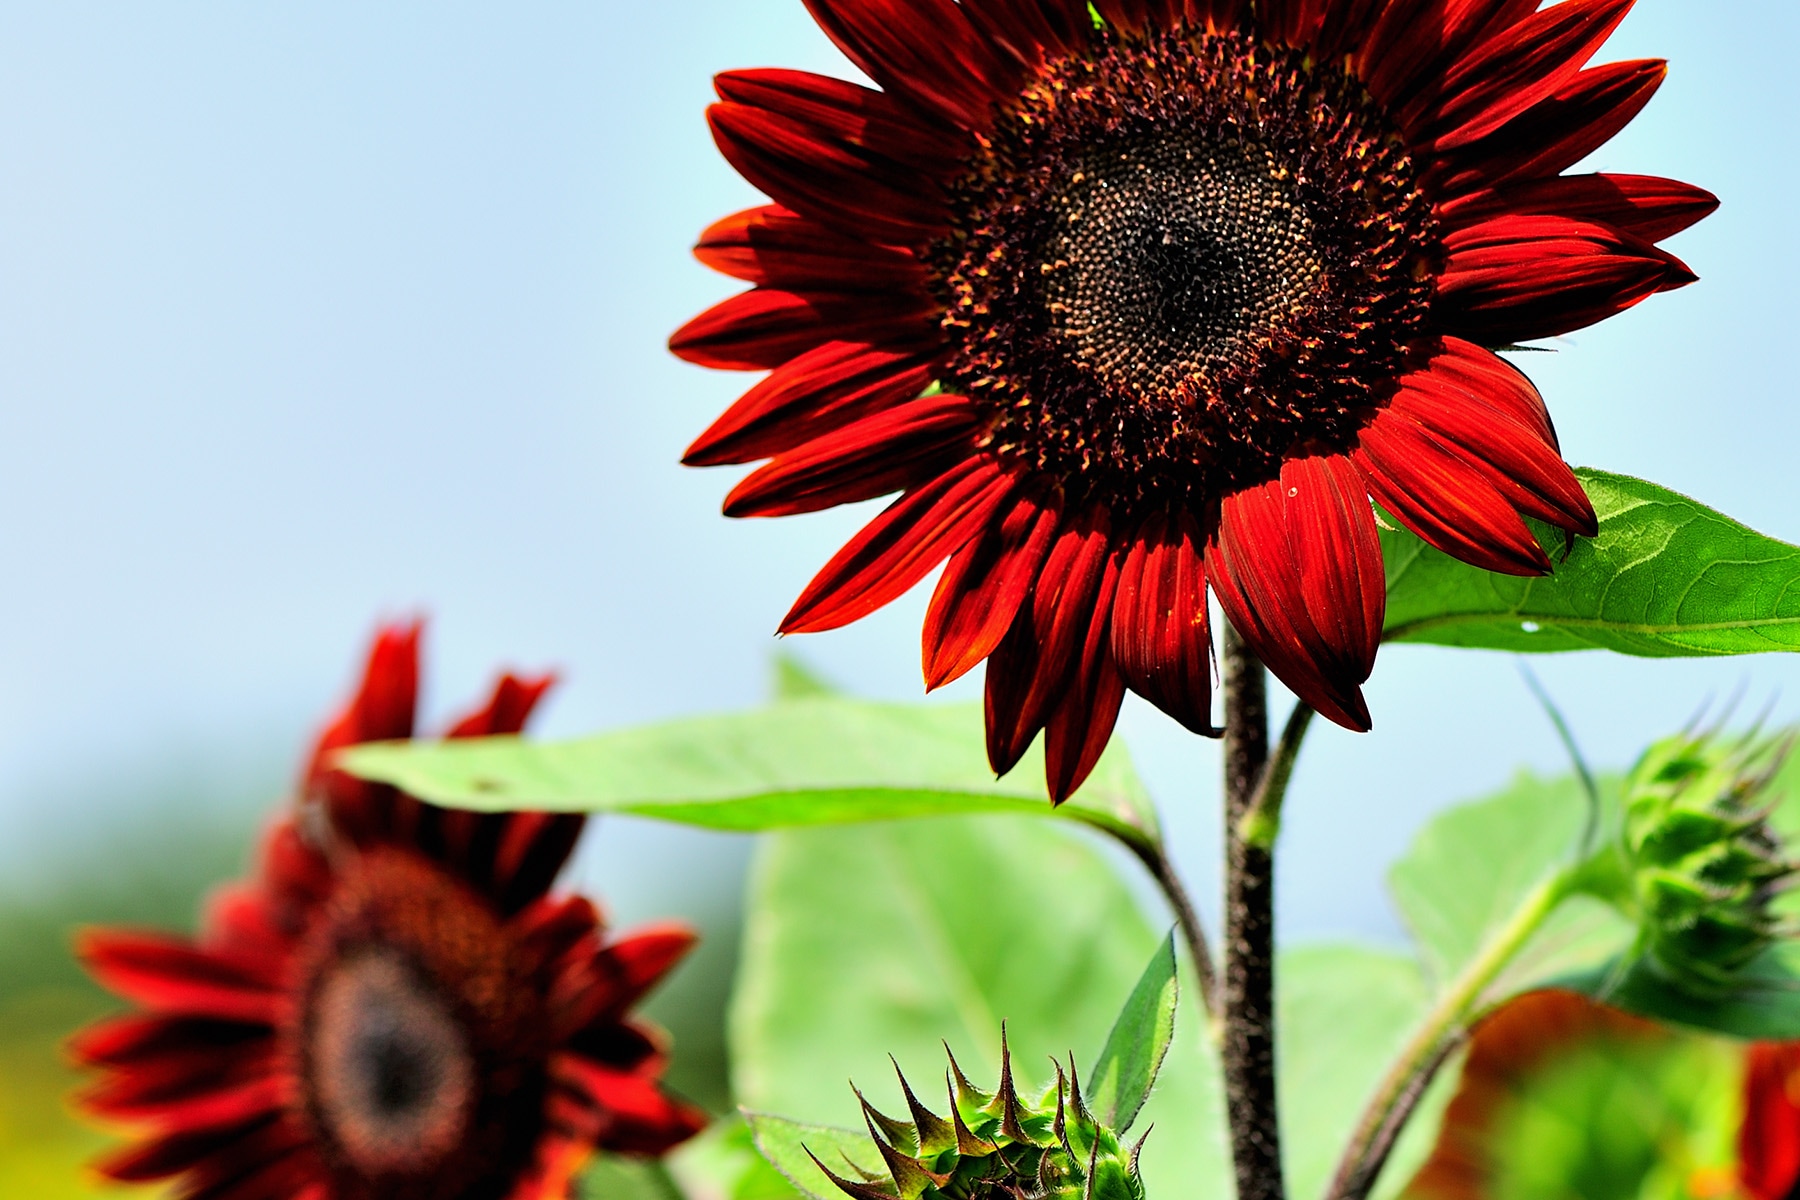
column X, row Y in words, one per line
column 982, row 589
column 1509, row 74
column 184, row 1150
column 1297, row 567
column 1461, row 450
column 1557, row 133
column 1082, row 720
column 855, row 191
column 1293, row 22
column 773, row 247
column 136, row 1039
column 888, row 452
column 618, row 1110
column 1031, row 30
column 170, row 976
column 507, row 710
column 533, row 848
column 900, row 547
column 812, row 395
column 923, row 50
column 1160, row 637
column 765, row 327
column 1643, row 206
column 847, row 113
column 1513, row 279
column 1412, row 46
column 1029, row 671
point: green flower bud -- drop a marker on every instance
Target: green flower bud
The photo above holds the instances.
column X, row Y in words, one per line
column 995, row 1147
column 1703, row 864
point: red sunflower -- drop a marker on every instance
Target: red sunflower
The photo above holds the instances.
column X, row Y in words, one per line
column 1769, row 1140
column 392, row 1007
column 1135, row 300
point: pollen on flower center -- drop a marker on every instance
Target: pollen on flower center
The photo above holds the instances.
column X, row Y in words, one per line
column 1172, row 257
column 1179, row 258
column 392, row 1065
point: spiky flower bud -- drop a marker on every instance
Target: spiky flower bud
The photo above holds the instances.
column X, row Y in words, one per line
column 1704, row 864
column 995, row 1146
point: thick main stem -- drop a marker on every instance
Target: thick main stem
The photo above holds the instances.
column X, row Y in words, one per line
column 1432, row 1043
column 1249, row 992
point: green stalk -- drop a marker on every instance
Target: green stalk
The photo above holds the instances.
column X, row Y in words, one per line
column 1431, row 1044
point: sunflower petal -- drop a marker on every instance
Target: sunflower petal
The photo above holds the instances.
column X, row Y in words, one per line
column 1297, row 567
column 1515, row 278
column 817, row 393
column 983, row 587
column 1160, row 635
column 900, row 547
column 890, row 451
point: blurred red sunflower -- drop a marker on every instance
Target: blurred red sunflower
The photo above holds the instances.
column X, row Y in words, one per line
column 1769, row 1139
column 1130, row 300
column 391, row 1006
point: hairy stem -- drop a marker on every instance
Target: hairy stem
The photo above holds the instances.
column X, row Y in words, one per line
column 1249, row 992
column 1188, row 918
column 1432, row 1043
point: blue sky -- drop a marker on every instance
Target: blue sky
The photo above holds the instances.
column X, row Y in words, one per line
column 315, row 312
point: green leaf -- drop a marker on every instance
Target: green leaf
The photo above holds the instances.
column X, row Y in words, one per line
column 1763, row 1005
column 801, row 762
column 790, row 1146
column 794, row 680
column 1342, row 1014
column 1471, row 867
column 866, row 940
column 1667, row 577
column 1126, row 1069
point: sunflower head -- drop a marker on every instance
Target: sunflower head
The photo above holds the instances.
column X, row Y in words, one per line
column 1135, row 302
column 393, row 1005
column 1705, row 866
column 995, row 1146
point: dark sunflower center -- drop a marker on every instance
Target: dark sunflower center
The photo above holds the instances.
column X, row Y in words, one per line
column 1178, row 257
column 394, row 1069
column 420, row 1041
column 1170, row 256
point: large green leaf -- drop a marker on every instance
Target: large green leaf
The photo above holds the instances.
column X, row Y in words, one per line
column 790, row 1147
column 1762, row 1005
column 866, row 940
column 820, row 760
column 1667, row 577
column 1471, row 867
column 1343, row 1014
column 1123, row 1075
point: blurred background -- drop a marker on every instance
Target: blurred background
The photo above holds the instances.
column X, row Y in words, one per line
column 317, row 313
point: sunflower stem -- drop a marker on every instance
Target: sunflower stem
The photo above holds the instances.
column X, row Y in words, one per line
column 1249, row 992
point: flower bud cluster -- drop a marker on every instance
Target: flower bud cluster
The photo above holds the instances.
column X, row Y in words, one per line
column 995, row 1147
column 1705, row 867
